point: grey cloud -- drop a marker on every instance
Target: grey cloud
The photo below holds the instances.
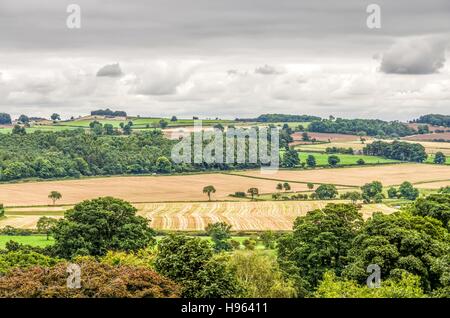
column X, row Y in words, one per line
column 111, row 70
column 415, row 56
column 268, row 70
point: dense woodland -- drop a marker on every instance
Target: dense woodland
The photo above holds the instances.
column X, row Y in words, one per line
column 369, row 127
column 434, row 119
column 398, row 150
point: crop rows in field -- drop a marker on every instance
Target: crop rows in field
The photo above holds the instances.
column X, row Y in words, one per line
column 242, row 216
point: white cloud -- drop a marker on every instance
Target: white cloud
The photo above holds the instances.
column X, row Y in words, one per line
column 420, row 55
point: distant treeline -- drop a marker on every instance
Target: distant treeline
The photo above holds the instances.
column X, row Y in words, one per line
column 108, row 112
column 398, row 150
column 369, row 127
column 434, row 119
column 5, row 119
column 275, row 118
column 75, row 153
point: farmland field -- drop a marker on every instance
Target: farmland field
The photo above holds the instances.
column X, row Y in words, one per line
column 252, row 216
column 135, row 188
column 357, row 176
column 322, row 159
column 194, row 216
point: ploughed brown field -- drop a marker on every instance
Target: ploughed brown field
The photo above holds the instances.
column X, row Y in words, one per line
column 356, row 176
column 429, row 137
column 135, row 189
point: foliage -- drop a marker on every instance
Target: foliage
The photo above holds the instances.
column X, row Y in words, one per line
column 440, row 158
column 5, row 119
column 311, row 161
column 220, row 233
column 407, row 191
column 45, row 225
column 24, row 259
column 261, row 276
column 54, row 196
column 435, row 205
column 268, row 238
column 2, row 210
column 371, row 190
column 141, row 258
column 408, row 286
column 371, row 127
column 326, row 191
column 290, row 158
column 320, row 241
column 333, row 160
column 93, row 227
column 275, row 118
column 98, row 280
column 208, row 190
column 108, row 112
column 253, row 192
column 398, row 243
column 398, row 150
column 190, row 262
column 434, row 119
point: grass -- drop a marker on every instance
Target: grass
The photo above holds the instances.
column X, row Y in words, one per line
column 322, row 159
column 430, row 159
column 33, row 240
column 41, row 240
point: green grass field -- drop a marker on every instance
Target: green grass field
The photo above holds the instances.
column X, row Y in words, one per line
column 322, row 159
column 33, row 240
column 41, row 240
column 430, row 159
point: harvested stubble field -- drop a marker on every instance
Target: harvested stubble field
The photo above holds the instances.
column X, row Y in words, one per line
column 135, row 189
column 242, row 216
column 356, row 176
column 194, row 216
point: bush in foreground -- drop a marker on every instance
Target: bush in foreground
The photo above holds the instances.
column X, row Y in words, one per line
column 97, row 281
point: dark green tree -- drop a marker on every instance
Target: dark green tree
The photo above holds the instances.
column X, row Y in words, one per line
column 407, row 191
column 94, row 227
column 220, row 233
column 319, row 242
column 190, row 262
column 311, row 161
column 326, row 191
column 440, row 158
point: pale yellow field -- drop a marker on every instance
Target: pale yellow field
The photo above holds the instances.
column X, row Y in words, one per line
column 257, row 216
column 387, row 174
column 195, row 216
column 135, row 189
column 433, row 185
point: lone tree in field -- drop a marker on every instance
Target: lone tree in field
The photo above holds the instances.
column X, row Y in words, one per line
column 55, row 196
column 253, row 192
column 208, row 190
column 439, row 158
column 280, row 186
column 2, row 210
column 286, row 186
column 310, row 185
column 45, row 225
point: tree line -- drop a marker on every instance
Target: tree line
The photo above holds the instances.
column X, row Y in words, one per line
column 369, row 127
column 398, row 150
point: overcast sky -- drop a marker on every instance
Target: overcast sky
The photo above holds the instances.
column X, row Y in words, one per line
column 226, row 58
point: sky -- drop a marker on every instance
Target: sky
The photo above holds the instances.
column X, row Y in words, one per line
column 225, row 58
